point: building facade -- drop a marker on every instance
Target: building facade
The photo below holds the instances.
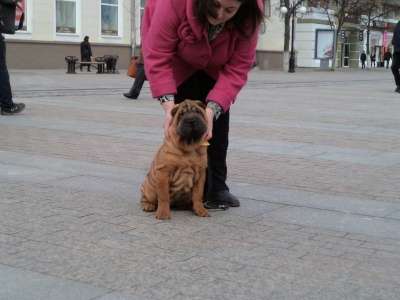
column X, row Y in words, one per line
column 54, row 28
column 314, row 36
column 270, row 54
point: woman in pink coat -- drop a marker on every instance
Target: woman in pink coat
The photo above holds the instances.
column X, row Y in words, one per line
column 203, row 50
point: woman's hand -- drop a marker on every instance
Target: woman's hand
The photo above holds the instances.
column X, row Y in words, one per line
column 167, row 106
column 210, row 120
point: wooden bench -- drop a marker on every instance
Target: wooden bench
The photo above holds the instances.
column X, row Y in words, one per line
column 99, row 65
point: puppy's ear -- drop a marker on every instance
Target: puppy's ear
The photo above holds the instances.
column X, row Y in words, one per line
column 174, row 110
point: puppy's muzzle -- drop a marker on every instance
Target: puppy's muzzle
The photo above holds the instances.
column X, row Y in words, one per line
column 191, row 128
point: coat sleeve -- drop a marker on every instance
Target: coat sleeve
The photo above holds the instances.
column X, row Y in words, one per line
column 159, row 37
column 233, row 76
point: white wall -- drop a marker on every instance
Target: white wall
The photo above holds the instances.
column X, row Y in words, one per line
column 305, row 44
column 272, row 38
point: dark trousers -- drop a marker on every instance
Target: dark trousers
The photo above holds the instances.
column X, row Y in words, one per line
column 5, row 87
column 363, row 64
column 396, row 67
column 197, row 87
column 139, row 81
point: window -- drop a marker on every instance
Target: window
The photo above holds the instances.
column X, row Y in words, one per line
column 66, row 16
column 267, row 8
column 21, row 8
column 109, row 17
column 324, row 43
column 139, row 11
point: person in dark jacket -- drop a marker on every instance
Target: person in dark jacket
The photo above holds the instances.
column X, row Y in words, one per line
column 86, row 53
column 139, row 79
column 7, row 105
column 387, row 57
column 363, row 58
column 396, row 56
column 373, row 60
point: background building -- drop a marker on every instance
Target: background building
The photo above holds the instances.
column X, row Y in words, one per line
column 54, row 29
column 270, row 43
column 314, row 36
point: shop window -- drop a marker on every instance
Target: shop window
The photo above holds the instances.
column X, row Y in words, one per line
column 66, row 16
column 267, row 8
column 109, row 17
column 139, row 11
column 22, row 8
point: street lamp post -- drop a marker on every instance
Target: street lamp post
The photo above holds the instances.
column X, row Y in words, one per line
column 292, row 10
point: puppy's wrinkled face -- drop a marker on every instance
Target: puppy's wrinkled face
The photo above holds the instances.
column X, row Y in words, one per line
column 190, row 123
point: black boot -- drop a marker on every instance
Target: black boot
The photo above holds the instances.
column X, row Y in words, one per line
column 15, row 109
column 221, row 200
column 130, row 95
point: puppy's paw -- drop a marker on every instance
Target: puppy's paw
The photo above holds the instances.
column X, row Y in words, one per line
column 163, row 214
column 201, row 212
column 148, row 207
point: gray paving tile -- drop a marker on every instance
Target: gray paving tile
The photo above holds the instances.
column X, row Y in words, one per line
column 21, row 284
column 379, row 227
column 316, row 171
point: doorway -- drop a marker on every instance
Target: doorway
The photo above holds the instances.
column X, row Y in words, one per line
column 346, row 55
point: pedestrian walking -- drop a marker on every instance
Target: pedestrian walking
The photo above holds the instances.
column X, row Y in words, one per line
column 363, row 58
column 139, row 79
column 86, row 53
column 387, row 57
column 7, row 25
column 396, row 56
column 373, row 60
column 202, row 50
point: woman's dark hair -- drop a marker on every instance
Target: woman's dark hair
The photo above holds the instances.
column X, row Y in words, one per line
column 86, row 39
column 246, row 19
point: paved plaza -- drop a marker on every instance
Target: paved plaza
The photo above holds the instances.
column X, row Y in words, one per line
column 314, row 158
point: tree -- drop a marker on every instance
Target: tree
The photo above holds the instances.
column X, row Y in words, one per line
column 372, row 10
column 338, row 12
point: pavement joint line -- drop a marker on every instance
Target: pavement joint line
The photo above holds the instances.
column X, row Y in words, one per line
column 317, row 208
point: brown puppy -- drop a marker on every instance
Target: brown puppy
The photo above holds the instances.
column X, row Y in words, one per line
column 178, row 171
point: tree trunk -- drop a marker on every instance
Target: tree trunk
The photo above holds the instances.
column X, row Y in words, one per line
column 335, row 40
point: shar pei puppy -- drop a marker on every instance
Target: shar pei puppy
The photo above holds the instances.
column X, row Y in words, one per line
column 177, row 174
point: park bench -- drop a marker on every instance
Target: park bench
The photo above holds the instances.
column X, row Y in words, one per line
column 103, row 64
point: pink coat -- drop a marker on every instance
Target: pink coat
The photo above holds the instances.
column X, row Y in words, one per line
column 175, row 46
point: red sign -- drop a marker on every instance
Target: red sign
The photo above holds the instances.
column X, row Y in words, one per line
column 385, row 39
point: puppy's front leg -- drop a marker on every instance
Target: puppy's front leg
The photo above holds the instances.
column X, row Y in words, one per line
column 197, row 197
column 163, row 210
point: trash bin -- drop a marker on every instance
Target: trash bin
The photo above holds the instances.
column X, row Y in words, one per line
column 324, row 63
column 71, row 61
